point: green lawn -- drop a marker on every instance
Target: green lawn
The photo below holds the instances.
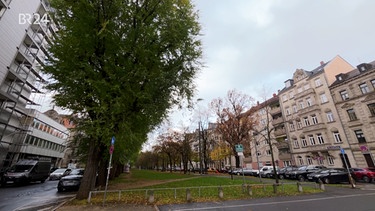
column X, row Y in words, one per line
column 174, row 188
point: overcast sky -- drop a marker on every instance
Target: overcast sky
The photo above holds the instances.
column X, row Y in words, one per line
column 252, row 45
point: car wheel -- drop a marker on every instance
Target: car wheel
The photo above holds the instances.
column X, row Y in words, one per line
column 326, row 180
column 301, row 178
column 281, row 176
column 59, row 189
column 366, row 179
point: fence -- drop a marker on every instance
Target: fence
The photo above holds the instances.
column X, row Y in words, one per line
column 188, row 193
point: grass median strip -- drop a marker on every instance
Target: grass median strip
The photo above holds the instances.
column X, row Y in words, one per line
column 168, row 188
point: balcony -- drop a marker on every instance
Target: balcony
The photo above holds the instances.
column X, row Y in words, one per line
column 308, row 109
column 277, row 121
column 319, row 126
column 279, row 132
column 275, row 110
column 304, row 93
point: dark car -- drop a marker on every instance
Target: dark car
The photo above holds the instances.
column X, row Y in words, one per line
column 282, row 172
column 71, row 182
column 365, row 174
column 301, row 173
column 329, row 176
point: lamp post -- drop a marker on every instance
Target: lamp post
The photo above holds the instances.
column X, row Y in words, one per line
column 256, row 152
column 200, row 148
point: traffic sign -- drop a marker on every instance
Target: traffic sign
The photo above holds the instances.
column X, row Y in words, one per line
column 113, row 140
column 239, row 148
column 342, row 151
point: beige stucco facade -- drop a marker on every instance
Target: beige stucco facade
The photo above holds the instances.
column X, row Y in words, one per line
column 354, row 96
column 314, row 130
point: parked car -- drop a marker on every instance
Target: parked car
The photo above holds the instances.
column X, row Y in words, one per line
column 58, row 173
column 266, row 169
column 301, row 173
column 282, row 172
column 329, row 176
column 269, row 173
column 246, row 171
column 71, row 182
column 365, row 174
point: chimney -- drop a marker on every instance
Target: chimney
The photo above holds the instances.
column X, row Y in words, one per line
column 257, row 102
column 321, row 63
column 274, row 95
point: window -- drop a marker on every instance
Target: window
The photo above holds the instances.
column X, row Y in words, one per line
column 259, row 153
column 285, row 98
column 323, row 98
column 309, row 160
column 320, row 138
column 373, row 83
column 299, row 90
column 344, row 95
column 287, row 111
column 331, row 160
column 295, row 143
column 351, row 114
column 291, row 125
column 321, row 161
column 364, row 88
column 309, row 102
column 314, row 119
column 295, row 110
column 312, row 140
column 268, row 152
column 371, row 107
column 336, row 136
column 300, row 160
column 301, row 105
column 306, row 121
column 291, row 95
column 360, row 136
column 303, row 142
column 330, row 116
column 318, row 82
column 299, row 124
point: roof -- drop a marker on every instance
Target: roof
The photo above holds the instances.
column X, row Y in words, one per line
column 353, row 74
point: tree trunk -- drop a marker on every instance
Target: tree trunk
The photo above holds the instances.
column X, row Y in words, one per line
column 89, row 177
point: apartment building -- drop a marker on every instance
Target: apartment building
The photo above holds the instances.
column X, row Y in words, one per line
column 26, row 32
column 314, row 130
column 354, row 96
column 269, row 135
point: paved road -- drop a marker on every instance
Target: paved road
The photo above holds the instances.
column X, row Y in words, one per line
column 341, row 199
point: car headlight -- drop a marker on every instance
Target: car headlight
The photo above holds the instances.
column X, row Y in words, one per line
column 70, row 182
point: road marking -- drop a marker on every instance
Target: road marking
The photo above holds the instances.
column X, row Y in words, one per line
column 273, row 203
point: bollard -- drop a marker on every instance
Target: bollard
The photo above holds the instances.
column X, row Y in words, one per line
column 299, row 186
column 188, row 195
column 274, row 188
column 249, row 190
column 151, row 197
column 221, row 194
column 321, row 185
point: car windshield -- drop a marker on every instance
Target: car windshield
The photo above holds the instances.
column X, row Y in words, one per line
column 77, row 172
column 302, row 168
column 20, row 168
column 372, row 169
column 59, row 171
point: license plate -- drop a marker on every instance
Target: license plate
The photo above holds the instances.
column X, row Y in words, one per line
column 309, row 177
column 10, row 182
